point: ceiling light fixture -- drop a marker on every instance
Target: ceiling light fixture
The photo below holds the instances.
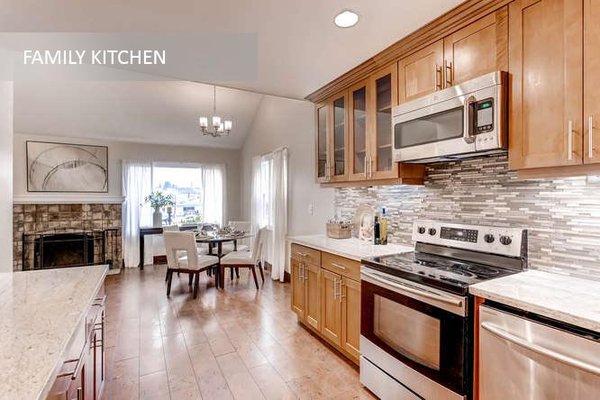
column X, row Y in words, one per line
column 218, row 127
column 346, row 19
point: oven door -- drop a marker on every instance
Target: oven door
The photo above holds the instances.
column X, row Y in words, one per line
column 406, row 324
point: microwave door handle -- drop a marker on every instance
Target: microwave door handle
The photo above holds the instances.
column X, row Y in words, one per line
column 467, row 133
column 563, row 358
column 413, row 290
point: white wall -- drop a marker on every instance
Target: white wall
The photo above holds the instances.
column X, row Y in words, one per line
column 284, row 122
column 6, row 176
column 118, row 151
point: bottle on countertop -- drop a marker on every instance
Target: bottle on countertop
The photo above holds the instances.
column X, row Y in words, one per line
column 383, row 227
column 376, row 231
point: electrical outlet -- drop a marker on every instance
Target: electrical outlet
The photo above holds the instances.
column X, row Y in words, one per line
column 311, row 209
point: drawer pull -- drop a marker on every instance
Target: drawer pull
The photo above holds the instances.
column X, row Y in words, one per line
column 302, row 254
column 99, row 301
column 340, row 266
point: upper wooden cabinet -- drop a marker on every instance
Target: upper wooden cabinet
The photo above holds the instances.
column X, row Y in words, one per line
column 357, row 127
column 546, row 58
column 477, row 49
column 474, row 50
column 339, row 137
column 591, row 75
column 322, row 147
column 421, row 73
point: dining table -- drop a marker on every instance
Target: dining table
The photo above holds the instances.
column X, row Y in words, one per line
column 215, row 239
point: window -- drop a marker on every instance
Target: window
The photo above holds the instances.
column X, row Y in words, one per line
column 197, row 192
column 184, row 184
column 264, row 189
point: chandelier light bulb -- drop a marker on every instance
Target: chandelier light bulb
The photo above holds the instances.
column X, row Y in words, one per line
column 203, row 122
column 228, row 125
column 216, row 121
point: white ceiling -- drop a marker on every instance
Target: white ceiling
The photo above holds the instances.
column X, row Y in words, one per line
column 164, row 112
column 297, row 50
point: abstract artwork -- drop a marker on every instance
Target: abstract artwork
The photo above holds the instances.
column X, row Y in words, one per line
column 66, row 167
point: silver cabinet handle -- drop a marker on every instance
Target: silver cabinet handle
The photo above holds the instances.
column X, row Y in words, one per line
column 449, row 72
column 570, row 140
column 467, row 136
column 335, row 288
column 365, row 165
column 302, row 254
column 591, row 136
column 370, row 165
column 438, row 77
column 340, row 266
column 414, row 290
column 563, row 358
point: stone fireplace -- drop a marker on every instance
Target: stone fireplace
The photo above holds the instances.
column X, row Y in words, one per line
column 61, row 235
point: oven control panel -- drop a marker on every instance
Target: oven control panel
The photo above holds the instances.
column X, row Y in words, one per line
column 498, row 240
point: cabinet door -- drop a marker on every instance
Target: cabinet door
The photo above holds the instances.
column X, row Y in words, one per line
column 331, row 307
column 99, row 357
column 383, row 87
column 338, row 139
column 545, row 58
column 322, row 155
column 298, row 290
column 477, row 49
column 421, row 73
column 312, row 281
column 357, row 127
column 591, row 74
column 351, row 317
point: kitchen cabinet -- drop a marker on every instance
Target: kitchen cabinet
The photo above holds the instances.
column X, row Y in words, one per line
column 298, row 288
column 545, row 60
column 421, row 73
column 338, row 137
column 312, row 276
column 384, row 97
column 331, row 307
column 357, row 127
column 477, row 49
column 322, row 155
column 82, row 374
column 351, row 317
column 591, row 75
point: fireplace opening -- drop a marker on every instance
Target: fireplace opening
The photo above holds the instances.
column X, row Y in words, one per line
column 64, row 250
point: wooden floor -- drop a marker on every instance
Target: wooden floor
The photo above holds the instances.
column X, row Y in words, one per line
column 239, row 343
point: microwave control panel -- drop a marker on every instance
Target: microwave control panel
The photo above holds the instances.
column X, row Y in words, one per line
column 484, row 116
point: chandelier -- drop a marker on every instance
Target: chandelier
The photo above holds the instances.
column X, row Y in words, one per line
column 218, row 127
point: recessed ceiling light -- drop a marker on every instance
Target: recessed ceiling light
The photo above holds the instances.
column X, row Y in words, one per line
column 346, row 19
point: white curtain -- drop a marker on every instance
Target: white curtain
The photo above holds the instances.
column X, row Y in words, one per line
column 137, row 184
column 269, row 205
column 213, row 196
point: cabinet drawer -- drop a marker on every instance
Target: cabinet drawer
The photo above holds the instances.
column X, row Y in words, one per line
column 341, row 265
column 306, row 254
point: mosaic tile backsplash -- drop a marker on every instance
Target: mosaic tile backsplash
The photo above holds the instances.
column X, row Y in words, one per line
column 562, row 215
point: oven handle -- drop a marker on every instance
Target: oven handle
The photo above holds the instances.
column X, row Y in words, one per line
column 413, row 290
column 563, row 358
column 467, row 128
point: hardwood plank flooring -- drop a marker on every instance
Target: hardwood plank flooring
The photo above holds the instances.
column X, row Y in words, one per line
column 239, row 343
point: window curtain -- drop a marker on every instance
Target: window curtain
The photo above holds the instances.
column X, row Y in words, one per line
column 137, row 184
column 269, row 205
column 213, row 196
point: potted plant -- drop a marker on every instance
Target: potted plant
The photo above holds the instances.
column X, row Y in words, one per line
column 159, row 200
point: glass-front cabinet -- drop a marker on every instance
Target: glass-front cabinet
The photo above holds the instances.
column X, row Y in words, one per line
column 357, row 126
column 339, row 154
column 385, row 96
column 322, row 118
column 354, row 134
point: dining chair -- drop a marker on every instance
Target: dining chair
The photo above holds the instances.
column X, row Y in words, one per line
column 242, row 244
column 191, row 262
column 245, row 259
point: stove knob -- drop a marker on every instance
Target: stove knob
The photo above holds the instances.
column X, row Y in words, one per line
column 505, row 240
column 421, row 230
column 489, row 238
column 432, row 231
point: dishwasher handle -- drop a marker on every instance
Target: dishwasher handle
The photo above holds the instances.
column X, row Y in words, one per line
column 563, row 358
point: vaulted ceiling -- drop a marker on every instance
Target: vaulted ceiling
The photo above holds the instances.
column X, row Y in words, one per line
column 278, row 47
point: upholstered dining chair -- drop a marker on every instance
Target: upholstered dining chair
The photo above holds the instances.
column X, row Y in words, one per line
column 245, row 259
column 192, row 263
column 242, row 244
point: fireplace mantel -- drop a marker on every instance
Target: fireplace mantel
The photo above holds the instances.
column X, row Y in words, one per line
column 67, row 198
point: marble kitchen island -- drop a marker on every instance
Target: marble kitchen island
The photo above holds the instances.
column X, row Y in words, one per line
column 43, row 315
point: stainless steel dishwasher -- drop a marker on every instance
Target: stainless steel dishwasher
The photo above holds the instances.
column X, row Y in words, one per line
column 525, row 358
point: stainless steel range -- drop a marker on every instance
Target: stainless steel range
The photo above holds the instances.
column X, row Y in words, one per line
column 416, row 314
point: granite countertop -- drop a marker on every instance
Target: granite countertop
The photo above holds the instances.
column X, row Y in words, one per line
column 40, row 312
column 565, row 298
column 352, row 248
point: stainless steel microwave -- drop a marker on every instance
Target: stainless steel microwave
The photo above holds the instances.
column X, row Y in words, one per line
column 461, row 121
